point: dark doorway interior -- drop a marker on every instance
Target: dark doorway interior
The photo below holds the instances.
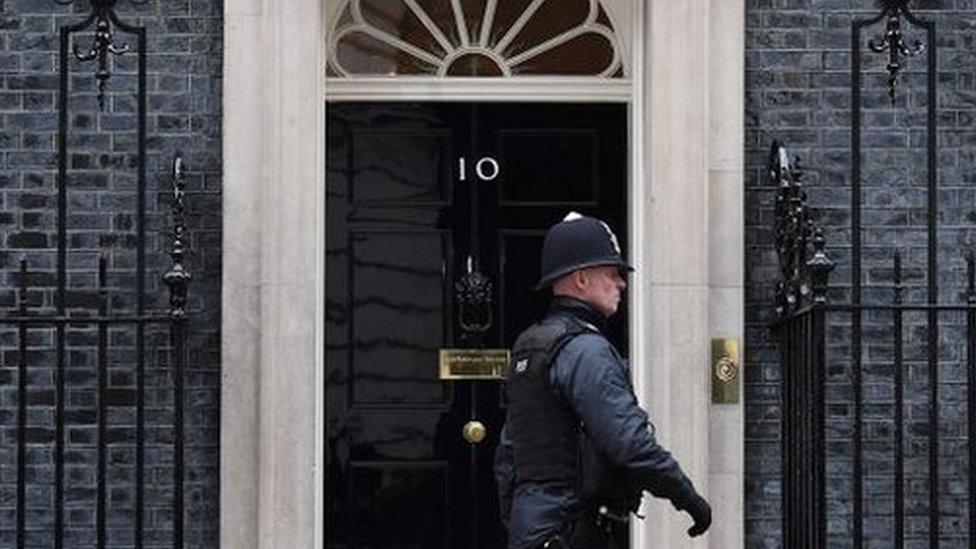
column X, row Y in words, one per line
column 417, row 194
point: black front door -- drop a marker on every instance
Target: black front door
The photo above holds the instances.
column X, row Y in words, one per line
column 419, row 196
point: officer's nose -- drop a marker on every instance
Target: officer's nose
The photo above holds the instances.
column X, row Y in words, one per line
column 621, row 280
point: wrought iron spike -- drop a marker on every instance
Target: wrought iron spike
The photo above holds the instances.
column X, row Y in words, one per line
column 971, row 277
column 178, row 278
column 103, row 298
column 22, row 288
column 899, row 287
column 820, row 261
column 820, row 267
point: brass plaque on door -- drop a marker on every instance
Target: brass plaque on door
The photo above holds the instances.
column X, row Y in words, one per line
column 725, row 371
column 473, row 363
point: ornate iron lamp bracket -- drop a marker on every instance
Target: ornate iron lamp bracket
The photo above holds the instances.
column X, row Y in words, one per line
column 893, row 41
column 178, row 278
column 103, row 12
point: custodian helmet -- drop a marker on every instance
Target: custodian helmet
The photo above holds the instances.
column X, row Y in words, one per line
column 576, row 242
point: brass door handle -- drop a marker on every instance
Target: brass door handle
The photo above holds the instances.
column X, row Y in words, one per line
column 474, row 432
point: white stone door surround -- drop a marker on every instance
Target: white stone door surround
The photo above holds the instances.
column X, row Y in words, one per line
column 685, row 93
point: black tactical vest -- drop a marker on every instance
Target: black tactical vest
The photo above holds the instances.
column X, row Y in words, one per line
column 543, row 428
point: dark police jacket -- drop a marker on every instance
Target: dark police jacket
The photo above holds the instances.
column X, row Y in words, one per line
column 590, row 380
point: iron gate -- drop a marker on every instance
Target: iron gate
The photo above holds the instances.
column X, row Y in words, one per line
column 74, row 326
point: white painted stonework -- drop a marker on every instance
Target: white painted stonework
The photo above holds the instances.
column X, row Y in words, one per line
column 271, row 457
column 684, row 89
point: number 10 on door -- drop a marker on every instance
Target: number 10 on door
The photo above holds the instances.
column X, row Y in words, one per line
column 486, row 168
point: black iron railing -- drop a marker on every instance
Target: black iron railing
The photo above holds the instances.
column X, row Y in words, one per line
column 891, row 43
column 29, row 323
column 888, row 453
column 801, row 297
column 64, row 337
column 805, row 318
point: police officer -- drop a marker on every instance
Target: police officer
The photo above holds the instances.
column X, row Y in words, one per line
column 577, row 451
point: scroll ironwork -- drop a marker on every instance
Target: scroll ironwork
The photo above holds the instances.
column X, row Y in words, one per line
column 804, row 265
column 103, row 44
column 892, row 40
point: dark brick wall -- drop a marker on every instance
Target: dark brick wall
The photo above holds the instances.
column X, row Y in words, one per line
column 184, row 84
column 798, row 70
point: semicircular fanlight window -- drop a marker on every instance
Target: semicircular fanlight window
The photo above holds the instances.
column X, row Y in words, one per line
column 481, row 38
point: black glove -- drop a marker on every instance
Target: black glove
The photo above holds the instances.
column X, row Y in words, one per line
column 701, row 513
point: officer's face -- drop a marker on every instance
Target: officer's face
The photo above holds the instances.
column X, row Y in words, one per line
column 602, row 287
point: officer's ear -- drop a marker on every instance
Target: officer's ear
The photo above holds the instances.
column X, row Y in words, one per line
column 581, row 279
column 572, row 284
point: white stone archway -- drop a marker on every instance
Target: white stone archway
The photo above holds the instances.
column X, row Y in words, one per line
column 685, row 94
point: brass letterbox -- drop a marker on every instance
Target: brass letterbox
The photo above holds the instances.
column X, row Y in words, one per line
column 473, row 363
